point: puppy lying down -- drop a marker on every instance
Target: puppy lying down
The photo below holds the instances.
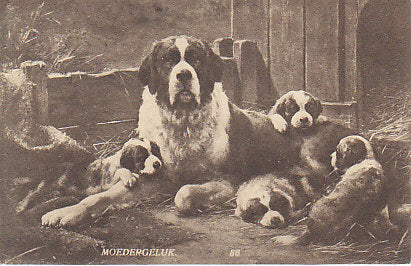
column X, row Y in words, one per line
column 357, row 197
column 108, row 181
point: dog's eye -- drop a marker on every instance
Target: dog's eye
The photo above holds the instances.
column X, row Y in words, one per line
column 141, row 157
column 310, row 107
column 292, row 109
column 192, row 57
column 171, row 58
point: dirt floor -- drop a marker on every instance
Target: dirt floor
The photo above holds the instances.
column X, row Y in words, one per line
column 227, row 239
column 208, row 238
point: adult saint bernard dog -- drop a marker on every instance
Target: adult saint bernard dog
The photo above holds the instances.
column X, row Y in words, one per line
column 208, row 145
column 202, row 135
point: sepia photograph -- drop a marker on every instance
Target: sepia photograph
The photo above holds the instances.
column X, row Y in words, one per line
column 205, row 132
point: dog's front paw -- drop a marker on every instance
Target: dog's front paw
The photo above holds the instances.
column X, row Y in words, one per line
column 67, row 216
column 279, row 123
column 128, row 178
column 272, row 219
column 321, row 119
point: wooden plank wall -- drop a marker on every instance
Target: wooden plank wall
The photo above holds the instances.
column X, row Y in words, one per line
column 250, row 22
column 312, row 43
column 321, row 49
column 287, row 45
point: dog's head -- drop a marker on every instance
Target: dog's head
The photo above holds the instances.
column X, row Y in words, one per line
column 181, row 71
column 351, row 150
column 299, row 108
column 141, row 156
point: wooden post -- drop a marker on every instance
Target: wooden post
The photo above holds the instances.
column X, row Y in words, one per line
column 35, row 72
column 244, row 53
column 255, row 78
column 224, row 46
column 231, row 79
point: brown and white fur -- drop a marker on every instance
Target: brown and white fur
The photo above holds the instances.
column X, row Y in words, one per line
column 272, row 200
column 278, row 198
column 358, row 197
column 298, row 109
column 108, row 180
column 202, row 136
column 208, row 145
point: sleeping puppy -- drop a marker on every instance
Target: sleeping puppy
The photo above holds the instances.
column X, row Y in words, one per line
column 298, row 109
column 107, row 181
column 271, row 200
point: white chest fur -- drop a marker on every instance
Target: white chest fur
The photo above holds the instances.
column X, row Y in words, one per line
column 197, row 140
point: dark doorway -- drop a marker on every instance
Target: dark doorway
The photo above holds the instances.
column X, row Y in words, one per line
column 383, row 60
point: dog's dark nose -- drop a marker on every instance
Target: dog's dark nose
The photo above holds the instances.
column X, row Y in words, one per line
column 304, row 119
column 184, row 76
column 156, row 165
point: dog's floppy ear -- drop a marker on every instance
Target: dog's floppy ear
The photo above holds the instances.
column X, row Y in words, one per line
column 144, row 73
column 127, row 159
column 319, row 107
column 214, row 64
column 279, row 106
column 155, row 150
column 147, row 71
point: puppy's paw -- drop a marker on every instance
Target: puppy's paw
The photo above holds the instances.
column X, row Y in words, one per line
column 272, row 219
column 128, row 178
column 279, row 123
column 321, row 119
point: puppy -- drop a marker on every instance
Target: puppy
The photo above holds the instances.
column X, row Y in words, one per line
column 137, row 157
column 272, row 200
column 356, row 198
column 107, row 181
column 298, row 109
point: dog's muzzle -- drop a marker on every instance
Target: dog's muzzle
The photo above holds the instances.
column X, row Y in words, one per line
column 184, row 85
column 302, row 120
column 151, row 165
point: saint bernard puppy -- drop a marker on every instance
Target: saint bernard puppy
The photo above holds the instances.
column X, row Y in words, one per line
column 137, row 159
column 298, row 109
column 272, row 200
column 357, row 198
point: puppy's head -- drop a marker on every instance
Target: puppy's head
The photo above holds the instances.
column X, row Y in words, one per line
column 350, row 151
column 181, row 71
column 141, row 156
column 299, row 108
